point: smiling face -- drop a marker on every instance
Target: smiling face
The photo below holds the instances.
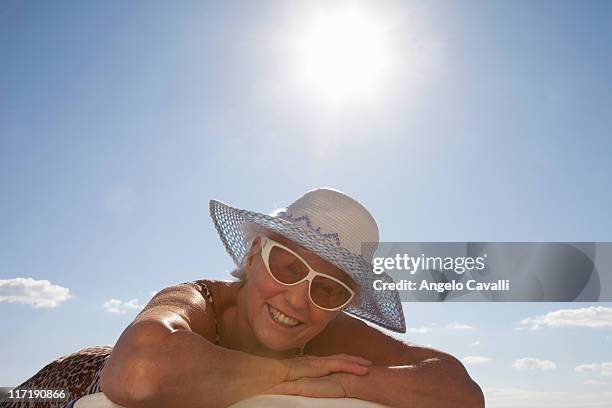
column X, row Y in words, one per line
column 282, row 317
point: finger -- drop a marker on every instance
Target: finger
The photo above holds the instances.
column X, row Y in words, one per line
column 322, row 367
column 313, row 367
column 285, row 388
column 357, row 359
column 340, row 365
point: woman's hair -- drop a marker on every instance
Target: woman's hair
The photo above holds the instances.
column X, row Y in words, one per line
column 240, row 272
column 251, row 231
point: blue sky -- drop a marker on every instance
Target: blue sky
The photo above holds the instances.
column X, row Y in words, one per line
column 118, row 122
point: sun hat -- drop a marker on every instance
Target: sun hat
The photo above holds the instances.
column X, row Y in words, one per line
column 333, row 226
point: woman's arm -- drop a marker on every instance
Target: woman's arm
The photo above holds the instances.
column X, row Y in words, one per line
column 432, row 383
column 160, row 361
column 403, row 375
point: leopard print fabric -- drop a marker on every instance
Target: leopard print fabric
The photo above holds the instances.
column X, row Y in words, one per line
column 78, row 373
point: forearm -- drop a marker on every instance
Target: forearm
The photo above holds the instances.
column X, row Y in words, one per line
column 186, row 371
column 433, row 383
column 219, row 377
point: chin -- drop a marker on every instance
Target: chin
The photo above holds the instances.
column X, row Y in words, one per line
column 276, row 336
column 276, row 342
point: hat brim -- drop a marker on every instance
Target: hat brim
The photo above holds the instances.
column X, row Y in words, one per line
column 383, row 308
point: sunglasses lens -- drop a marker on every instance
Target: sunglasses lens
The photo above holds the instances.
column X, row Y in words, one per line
column 327, row 293
column 285, row 267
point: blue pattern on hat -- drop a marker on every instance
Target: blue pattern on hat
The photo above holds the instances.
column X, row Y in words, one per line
column 306, row 218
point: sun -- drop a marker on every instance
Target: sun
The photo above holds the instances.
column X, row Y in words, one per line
column 342, row 55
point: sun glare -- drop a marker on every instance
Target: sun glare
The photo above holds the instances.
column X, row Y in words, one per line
column 343, row 55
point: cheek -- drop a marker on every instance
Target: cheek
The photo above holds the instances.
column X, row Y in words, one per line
column 263, row 288
column 320, row 317
column 262, row 285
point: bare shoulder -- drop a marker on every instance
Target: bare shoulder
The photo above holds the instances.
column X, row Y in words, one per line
column 192, row 303
column 349, row 335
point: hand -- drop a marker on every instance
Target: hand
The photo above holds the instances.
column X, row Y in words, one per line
column 329, row 386
column 313, row 367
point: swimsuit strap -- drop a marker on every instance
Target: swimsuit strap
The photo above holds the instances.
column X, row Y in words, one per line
column 203, row 289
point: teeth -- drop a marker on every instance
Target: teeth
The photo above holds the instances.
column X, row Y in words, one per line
column 282, row 318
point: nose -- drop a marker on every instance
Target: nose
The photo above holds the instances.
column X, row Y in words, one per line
column 297, row 296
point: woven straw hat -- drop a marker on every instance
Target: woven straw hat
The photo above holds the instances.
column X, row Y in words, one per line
column 333, row 226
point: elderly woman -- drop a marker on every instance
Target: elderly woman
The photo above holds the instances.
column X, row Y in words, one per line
column 294, row 323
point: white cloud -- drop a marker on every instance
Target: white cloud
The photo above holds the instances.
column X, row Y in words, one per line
column 594, row 382
column 433, row 326
column 592, row 317
column 38, row 293
column 513, row 398
column 458, row 326
column 118, row 306
column 533, row 364
column 595, row 368
column 421, row 330
column 475, row 359
column 475, row 343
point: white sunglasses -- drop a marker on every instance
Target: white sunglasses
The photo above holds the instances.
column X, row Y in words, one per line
column 289, row 269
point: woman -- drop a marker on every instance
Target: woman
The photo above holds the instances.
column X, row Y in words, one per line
column 278, row 330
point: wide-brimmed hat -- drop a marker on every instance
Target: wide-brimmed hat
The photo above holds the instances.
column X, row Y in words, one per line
column 333, row 226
